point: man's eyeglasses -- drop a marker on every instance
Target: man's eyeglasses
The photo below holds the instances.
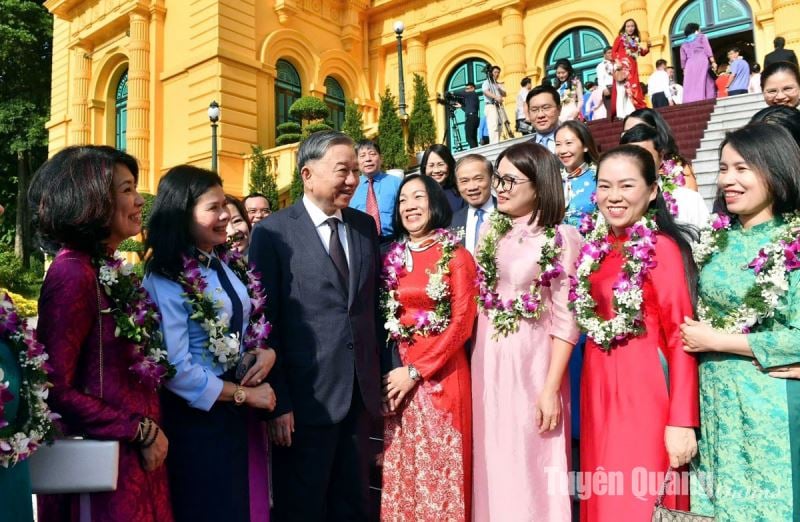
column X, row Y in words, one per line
column 263, row 212
column 543, row 108
column 506, row 183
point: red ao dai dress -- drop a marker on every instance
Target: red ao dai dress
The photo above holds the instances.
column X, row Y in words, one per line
column 428, row 444
column 630, row 394
column 519, row 473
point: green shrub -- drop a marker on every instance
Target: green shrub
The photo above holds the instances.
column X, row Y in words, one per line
column 285, row 139
column 289, row 127
column 390, row 134
column 262, row 178
column 296, row 189
column 353, row 122
column 131, row 245
column 311, row 128
column 309, row 108
column 421, row 127
column 13, row 277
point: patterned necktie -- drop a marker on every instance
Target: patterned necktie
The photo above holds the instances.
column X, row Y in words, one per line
column 236, row 303
column 372, row 204
column 336, row 251
column 478, row 222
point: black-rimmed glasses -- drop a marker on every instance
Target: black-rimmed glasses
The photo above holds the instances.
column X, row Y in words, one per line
column 506, row 183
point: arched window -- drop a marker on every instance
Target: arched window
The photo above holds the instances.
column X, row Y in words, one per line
column 716, row 18
column 726, row 23
column 583, row 47
column 121, row 112
column 470, row 70
column 334, row 99
column 287, row 90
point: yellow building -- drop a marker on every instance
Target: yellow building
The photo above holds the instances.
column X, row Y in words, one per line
column 141, row 74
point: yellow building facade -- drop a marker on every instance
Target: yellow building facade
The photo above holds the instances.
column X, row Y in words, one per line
column 141, row 73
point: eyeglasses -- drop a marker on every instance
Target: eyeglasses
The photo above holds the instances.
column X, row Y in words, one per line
column 787, row 91
column 543, row 108
column 506, row 183
column 263, row 212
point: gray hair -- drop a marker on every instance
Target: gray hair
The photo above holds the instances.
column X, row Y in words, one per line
column 317, row 144
column 487, row 165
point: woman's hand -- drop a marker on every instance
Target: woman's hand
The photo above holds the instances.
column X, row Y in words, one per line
column 153, row 456
column 261, row 397
column 548, row 410
column 698, row 337
column 396, row 385
column 786, row 372
column 681, row 445
column 265, row 360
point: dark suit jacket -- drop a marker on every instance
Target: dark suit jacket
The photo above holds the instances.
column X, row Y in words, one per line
column 780, row 55
column 460, row 219
column 325, row 337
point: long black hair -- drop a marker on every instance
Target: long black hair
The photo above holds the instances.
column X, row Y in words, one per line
column 666, row 223
column 169, row 235
column 635, row 28
column 782, row 115
column 443, row 152
column 774, row 156
column 567, row 66
column 652, row 118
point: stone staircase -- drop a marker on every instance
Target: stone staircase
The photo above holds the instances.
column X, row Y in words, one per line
column 729, row 114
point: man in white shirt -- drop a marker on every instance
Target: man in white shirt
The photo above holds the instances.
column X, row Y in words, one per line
column 658, row 87
column 675, row 89
column 474, row 179
column 605, row 78
column 523, row 125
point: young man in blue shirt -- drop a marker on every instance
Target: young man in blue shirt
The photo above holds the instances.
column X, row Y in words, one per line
column 377, row 191
column 740, row 70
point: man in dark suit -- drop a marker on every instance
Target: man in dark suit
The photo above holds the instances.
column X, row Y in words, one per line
column 474, row 179
column 319, row 263
column 779, row 54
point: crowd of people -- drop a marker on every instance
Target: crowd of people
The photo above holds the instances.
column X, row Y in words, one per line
column 558, row 330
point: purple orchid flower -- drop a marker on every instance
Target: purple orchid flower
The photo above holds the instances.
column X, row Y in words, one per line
column 759, row 262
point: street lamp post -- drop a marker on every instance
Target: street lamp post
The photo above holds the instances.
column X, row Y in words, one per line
column 399, row 27
column 213, row 116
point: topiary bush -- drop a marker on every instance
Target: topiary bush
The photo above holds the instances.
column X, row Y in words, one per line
column 285, row 139
column 289, row 127
column 311, row 128
column 309, row 108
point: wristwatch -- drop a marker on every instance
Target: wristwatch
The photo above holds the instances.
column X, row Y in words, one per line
column 239, row 396
column 413, row 373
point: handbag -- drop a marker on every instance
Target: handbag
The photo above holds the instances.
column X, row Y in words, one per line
column 664, row 514
column 77, row 465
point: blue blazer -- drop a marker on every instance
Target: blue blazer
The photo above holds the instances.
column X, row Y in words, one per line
column 326, row 337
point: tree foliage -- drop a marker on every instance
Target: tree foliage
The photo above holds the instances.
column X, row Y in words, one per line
column 390, row 134
column 25, row 58
column 421, row 127
column 262, row 177
column 309, row 108
column 353, row 121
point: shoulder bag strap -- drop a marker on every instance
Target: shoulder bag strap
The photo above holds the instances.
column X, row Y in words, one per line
column 100, row 333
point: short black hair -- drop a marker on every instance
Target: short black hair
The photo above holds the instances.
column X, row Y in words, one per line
column 443, row 152
column 691, row 28
column 525, row 81
column 542, row 168
column 608, row 48
column 71, row 195
column 169, row 235
column 367, row 144
column 779, row 42
column 776, row 67
column 254, row 195
column 471, row 84
column 439, row 208
column 782, row 115
column 773, row 154
column 544, row 89
column 660, row 62
column 735, row 49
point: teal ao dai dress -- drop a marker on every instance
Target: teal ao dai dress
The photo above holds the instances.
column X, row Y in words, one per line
column 749, row 444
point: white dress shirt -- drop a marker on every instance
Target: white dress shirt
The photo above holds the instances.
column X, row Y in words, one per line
column 318, row 217
column 659, row 82
column 604, row 72
column 472, row 219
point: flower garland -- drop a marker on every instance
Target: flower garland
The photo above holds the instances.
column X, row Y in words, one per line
column 137, row 319
column 771, row 266
column 222, row 344
column 632, row 47
column 259, row 328
column 37, row 426
column 569, row 91
column 505, row 315
column 671, row 177
column 639, row 252
column 426, row 323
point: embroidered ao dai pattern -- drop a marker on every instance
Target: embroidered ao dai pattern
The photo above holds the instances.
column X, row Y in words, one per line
column 427, row 463
column 578, row 193
column 630, row 395
column 518, row 472
column 750, row 422
column 570, row 106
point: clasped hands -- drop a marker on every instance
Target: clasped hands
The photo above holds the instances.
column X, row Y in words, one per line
column 397, row 384
column 260, row 394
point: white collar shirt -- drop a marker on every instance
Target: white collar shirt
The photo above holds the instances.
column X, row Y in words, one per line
column 319, row 218
column 472, row 218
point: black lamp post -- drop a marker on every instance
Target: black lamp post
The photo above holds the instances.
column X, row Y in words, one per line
column 213, row 116
column 399, row 27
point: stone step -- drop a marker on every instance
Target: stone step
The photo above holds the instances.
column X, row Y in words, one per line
column 736, row 100
column 707, row 154
column 728, row 124
column 754, row 106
